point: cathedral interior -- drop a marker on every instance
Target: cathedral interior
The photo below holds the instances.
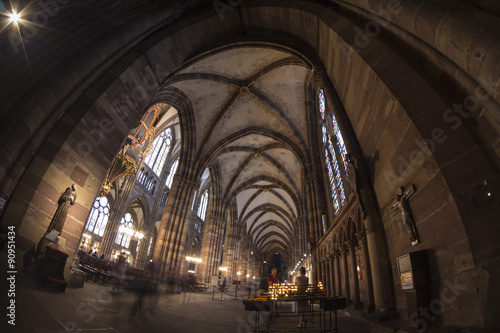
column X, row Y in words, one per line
column 359, row 139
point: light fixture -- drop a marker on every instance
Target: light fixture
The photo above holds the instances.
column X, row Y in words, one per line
column 190, row 271
column 194, row 260
column 239, row 273
column 305, row 255
column 248, row 275
column 223, row 269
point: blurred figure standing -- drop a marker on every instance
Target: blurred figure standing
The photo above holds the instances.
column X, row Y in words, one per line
column 119, row 272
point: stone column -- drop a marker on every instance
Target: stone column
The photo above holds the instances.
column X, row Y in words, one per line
column 352, row 250
column 208, row 248
column 143, row 247
column 143, row 257
column 331, row 284
column 326, row 282
column 109, row 236
column 321, row 275
column 311, row 198
column 117, row 211
column 338, row 286
column 347, row 289
column 171, row 238
column 361, row 236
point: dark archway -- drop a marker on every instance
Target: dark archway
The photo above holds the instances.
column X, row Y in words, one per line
column 278, row 261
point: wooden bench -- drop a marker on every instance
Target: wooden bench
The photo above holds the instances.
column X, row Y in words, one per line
column 200, row 287
column 102, row 271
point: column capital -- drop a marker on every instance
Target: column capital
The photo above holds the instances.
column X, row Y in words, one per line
column 361, row 235
column 318, row 73
column 352, row 243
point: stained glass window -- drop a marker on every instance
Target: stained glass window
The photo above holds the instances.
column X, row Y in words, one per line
column 170, row 177
column 331, row 179
column 338, row 176
column 323, row 223
column 322, row 103
column 164, row 196
column 99, row 215
column 335, row 155
column 125, row 231
column 340, row 141
column 202, row 209
column 161, row 147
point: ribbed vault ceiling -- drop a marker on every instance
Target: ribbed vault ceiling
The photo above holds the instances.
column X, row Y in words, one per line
column 250, row 119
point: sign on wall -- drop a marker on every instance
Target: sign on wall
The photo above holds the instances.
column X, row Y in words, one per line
column 407, row 280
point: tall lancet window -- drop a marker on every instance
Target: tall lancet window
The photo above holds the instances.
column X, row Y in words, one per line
column 340, row 141
column 335, row 153
column 202, row 209
column 170, row 177
column 160, row 149
column 99, row 215
column 125, row 231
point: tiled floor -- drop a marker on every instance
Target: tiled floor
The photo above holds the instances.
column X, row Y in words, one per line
column 95, row 309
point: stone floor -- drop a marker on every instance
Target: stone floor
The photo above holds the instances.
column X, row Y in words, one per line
column 95, row 308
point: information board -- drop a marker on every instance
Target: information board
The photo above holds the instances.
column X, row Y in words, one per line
column 407, row 281
column 214, row 281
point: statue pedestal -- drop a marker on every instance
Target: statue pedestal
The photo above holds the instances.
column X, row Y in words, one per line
column 60, row 245
column 52, row 269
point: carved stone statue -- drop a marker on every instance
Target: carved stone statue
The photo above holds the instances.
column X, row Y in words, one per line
column 66, row 200
column 56, row 226
column 401, row 203
column 352, row 166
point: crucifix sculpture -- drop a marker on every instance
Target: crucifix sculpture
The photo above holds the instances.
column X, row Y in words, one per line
column 401, row 203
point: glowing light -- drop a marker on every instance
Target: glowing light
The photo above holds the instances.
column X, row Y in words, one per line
column 222, row 268
column 193, row 260
column 14, row 17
